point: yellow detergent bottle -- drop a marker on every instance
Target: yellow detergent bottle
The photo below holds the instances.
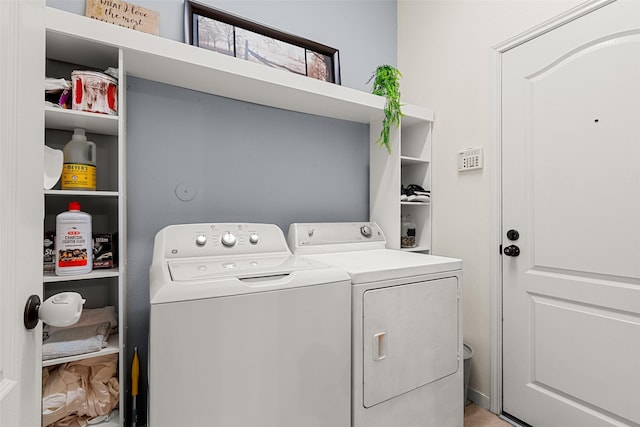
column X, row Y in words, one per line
column 79, row 169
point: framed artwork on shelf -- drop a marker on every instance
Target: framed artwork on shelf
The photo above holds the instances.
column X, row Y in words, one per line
column 228, row 34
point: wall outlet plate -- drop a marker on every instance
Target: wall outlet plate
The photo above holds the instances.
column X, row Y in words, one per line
column 470, row 159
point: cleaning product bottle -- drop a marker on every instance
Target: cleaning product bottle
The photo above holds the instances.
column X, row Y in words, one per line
column 79, row 169
column 73, row 242
column 407, row 232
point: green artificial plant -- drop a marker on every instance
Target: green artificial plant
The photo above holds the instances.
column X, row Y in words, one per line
column 386, row 82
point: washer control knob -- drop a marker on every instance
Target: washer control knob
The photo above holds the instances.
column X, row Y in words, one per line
column 228, row 239
column 201, row 240
column 254, row 238
column 365, row 230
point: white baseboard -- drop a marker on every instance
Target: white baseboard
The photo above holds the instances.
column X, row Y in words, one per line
column 479, row 399
column 484, row 402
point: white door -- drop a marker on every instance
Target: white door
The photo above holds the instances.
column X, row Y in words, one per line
column 571, row 188
column 21, row 207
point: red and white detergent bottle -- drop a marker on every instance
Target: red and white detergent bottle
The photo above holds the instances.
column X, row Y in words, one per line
column 73, row 242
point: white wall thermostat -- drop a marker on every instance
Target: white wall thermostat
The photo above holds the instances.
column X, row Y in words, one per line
column 471, row 158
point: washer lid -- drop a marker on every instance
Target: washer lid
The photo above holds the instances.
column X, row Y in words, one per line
column 386, row 264
column 183, row 282
column 191, row 270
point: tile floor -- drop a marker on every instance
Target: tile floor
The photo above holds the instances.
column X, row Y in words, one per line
column 475, row 416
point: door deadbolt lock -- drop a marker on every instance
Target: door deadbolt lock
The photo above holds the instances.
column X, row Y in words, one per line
column 513, row 235
column 511, row 250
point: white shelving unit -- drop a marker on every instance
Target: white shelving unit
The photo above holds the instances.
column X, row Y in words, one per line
column 71, row 36
column 113, row 347
column 73, row 40
column 57, row 118
column 101, row 287
column 79, row 193
column 96, row 274
column 408, row 163
column 167, row 61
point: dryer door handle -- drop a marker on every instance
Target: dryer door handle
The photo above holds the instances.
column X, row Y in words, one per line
column 379, row 346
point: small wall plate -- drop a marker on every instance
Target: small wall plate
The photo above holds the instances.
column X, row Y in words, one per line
column 471, row 158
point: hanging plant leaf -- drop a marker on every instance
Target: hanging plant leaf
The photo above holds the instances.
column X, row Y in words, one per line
column 386, row 82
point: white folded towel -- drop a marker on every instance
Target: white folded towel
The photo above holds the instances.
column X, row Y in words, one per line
column 73, row 341
column 89, row 335
column 90, row 316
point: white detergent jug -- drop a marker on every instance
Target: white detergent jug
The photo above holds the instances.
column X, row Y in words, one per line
column 74, row 253
column 79, row 169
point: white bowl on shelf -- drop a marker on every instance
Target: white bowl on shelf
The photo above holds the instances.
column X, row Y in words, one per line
column 53, row 160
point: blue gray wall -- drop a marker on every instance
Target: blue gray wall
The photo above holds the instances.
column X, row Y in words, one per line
column 244, row 162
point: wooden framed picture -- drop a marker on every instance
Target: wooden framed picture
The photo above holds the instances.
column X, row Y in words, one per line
column 228, row 34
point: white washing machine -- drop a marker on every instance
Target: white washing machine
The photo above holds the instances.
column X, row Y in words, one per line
column 407, row 360
column 243, row 334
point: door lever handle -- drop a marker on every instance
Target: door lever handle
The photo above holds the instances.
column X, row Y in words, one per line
column 511, row 250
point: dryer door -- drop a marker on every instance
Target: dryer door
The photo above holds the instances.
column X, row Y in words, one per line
column 410, row 337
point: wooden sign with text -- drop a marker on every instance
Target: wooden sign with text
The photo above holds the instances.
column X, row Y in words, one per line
column 124, row 14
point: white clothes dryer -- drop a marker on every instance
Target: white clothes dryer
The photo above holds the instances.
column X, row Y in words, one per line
column 407, row 360
column 243, row 334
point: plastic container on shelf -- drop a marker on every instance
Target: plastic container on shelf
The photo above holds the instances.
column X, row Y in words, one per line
column 94, row 92
column 407, row 232
column 73, row 242
column 79, row 167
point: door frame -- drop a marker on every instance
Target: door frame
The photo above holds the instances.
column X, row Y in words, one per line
column 495, row 273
